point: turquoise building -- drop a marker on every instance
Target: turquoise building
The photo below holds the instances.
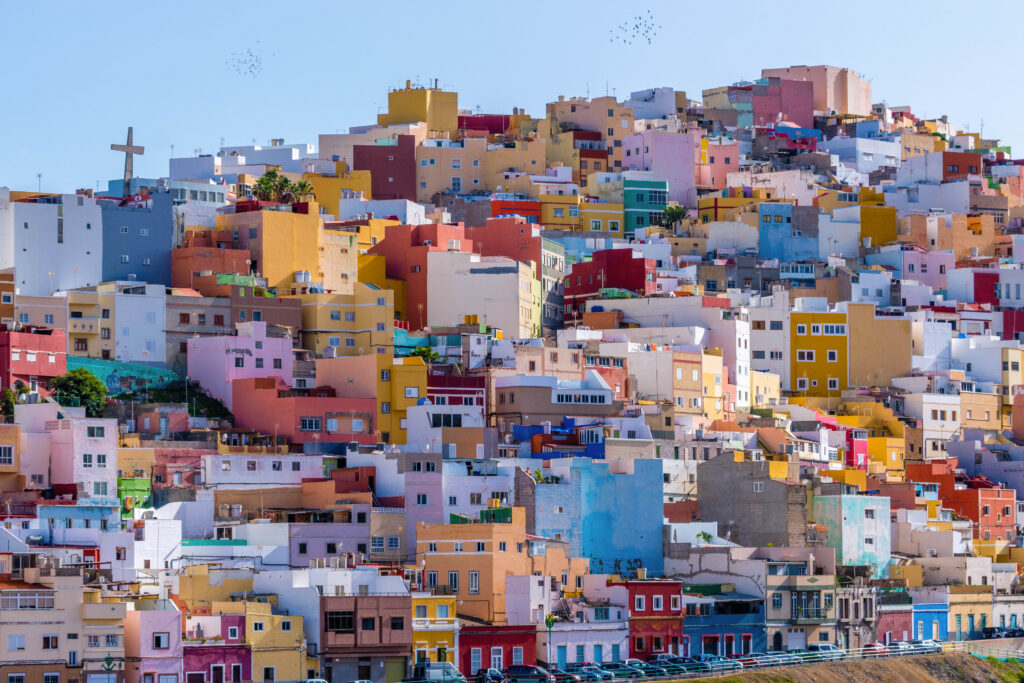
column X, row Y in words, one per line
column 858, row 529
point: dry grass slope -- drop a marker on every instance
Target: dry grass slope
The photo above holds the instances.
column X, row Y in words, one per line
column 949, row 667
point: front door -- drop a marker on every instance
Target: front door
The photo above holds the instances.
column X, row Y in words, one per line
column 560, row 656
column 217, row 673
column 598, row 653
column 777, row 641
column 709, row 645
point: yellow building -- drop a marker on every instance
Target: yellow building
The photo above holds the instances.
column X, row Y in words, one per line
column 372, row 272
column 817, row 354
column 917, row 144
column 765, row 389
column 276, row 640
column 439, row 109
column 713, row 378
column 199, row 592
column 328, row 188
column 560, row 211
column 970, row 610
column 286, row 245
column 401, row 382
column 879, row 223
column 435, row 629
column 91, row 324
column 602, row 217
column 353, row 324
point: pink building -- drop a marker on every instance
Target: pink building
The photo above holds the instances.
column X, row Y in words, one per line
column 215, row 362
column 669, row 156
column 927, row 267
column 303, row 415
column 215, row 649
column 152, row 643
column 32, row 357
column 83, row 453
column 723, row 158
column 895, row 617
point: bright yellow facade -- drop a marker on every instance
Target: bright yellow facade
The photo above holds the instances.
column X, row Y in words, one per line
column 353, row 324
column 437, row 108
column 602, row 217
column 560, row 211
column 817, row 360
column 713, row 378
column 92, row 331
column 879, row 223
column 372, row 272
column 328, row 188
column 401, row 382
column 887, row 456
column 435, row 629
column 276, row 640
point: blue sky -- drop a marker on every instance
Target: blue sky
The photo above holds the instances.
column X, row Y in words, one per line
column 77, row 74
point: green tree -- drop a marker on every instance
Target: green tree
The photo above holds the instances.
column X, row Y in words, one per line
column 265, row 188
column 428, row 354
column 79, row 387
column 283, row 189
column 303, row 190
column 704, row 537
column 673, row 214
column 7, row 403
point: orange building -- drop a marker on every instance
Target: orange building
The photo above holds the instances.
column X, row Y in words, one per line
column 472, row 558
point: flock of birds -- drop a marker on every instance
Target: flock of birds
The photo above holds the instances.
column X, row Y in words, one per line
column 248, row 63
column 639, row 28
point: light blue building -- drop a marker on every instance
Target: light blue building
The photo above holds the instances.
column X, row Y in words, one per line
column 54, row 521
column 858, row 529
column 788, row 232
column 614, row 519
column 138, row 240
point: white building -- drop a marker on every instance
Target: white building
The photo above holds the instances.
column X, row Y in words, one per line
column 55, row 242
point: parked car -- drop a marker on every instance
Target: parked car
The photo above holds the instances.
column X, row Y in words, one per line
column 784, row 658
column 872, row 650
column 691, row 665
column 590, row 671
column 718, row 663
column 527, row 673
column 489, row 676
column 621, row 670
column 436, row 671
column 901, row 648
column 826, row 652
column 747, row 660
column 990, row 632
column 663, row 658
column 650, row 670
column 1015, row 633
column 564, row 676
column 926, row 646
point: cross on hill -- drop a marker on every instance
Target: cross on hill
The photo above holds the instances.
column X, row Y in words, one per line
column 129, row 149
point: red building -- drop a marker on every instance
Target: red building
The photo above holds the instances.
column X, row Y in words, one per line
column 203, row 252
column 513, row 205
column 607, row 269
column 775, row 99
column 405, row 249
column 895, row 617
column 492, row 124
column 482, row 647
column 302, row 415
column 392, row 167
column 991, row 507
column 655, row 616
column 613, row 370
column 959, row 165
column 456, row 390
column 32, row 357
column 513, row 238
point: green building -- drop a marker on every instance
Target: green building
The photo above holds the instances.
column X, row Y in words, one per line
column 644, row 202
column 134, row 492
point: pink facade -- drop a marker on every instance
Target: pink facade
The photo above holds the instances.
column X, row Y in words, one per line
column 927, row 267
column 83, row 452
column 723, row 159
column 215, row 649
column 215, row 362
column 669, row 156
column 152, row 644
column 301, row 415
column 895, row 622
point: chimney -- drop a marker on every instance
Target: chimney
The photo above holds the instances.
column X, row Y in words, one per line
column 408, row 84
column 641, row 573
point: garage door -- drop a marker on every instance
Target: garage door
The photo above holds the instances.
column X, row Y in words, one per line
column 796, row 639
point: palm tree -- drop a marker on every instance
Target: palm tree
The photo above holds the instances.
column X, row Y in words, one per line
column 283, row 190
column 674, row 214
column 265, row 188
column 303, row 190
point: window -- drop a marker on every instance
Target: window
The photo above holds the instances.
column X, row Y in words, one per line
column 310, row 424
column 475, row 659
column 93, row 641
column 15, row 642
column 453, row 581
column 111, row 640
column 657, row 603
column 758, row 487
column 385, row 407
column 302, row 548
column 421, row 499
column 474, row 583
column 777, row 600
column 95, row 432
column 801, row 329
column 99, row 488
column 340, row 622
column 638, row 603
column 161, row 641
column 394, row 542
column 397, row 623
column 497, row 654
column 833, row 356
column 675, row 602
column 377, row 544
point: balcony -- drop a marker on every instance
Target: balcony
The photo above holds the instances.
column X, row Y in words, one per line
column 424, row 624
column 103, row 610
column 810, row 615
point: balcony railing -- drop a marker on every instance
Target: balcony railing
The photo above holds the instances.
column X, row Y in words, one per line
column 807, row 614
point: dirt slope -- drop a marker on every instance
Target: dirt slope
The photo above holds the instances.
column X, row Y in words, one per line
column 948, row 667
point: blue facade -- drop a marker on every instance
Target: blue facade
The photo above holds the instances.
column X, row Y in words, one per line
column 615, row 520
column 776, row 238
column 137, row 242
column 796, row 133
column 88, row 513
column 931, row 618
column 735, row 624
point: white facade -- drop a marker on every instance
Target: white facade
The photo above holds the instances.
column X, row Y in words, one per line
column 769, row 334
column 839, row 233
column 941, row 197
column 407, row 212
column 140, row 318
column 251, row 471
column 864, row 154
column 54, row 246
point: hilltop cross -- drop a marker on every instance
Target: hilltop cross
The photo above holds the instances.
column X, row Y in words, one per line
column 129, row 149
